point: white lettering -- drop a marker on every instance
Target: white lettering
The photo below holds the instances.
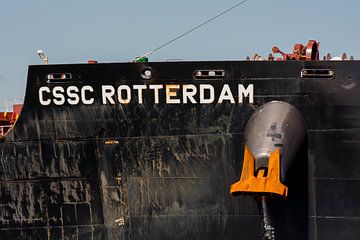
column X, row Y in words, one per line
column 156, row 88
column 123, row 94
column 72, row 93
column 189, row 91
column 226, row 94
column 170, row 94
column 139, row 89
column 59, row 98
column 41, row 96
column 127, row 90
column 249, row 91
column 108, row 92
column 211, row 90
column 85, row 100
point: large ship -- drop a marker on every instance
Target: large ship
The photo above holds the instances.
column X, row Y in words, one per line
column 185, row 150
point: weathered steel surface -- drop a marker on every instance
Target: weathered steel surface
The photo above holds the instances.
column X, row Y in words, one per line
column 163, row 171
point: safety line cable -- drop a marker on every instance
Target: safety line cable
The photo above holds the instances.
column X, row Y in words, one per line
column 193, row 29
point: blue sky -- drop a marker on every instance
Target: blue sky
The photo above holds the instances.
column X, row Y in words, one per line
column 117, row 31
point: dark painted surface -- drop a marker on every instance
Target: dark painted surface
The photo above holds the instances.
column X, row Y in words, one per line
column 168, row 173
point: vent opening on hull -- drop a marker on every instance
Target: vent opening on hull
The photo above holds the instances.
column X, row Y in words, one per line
column 317, row 73
column 209, row 74
column 58, row 77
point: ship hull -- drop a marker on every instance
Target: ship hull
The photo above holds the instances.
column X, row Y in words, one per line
column 116, row 164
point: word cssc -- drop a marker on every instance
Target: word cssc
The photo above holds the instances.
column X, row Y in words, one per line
column 160, row 93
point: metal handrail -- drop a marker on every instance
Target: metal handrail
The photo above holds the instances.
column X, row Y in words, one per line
column 2, row 132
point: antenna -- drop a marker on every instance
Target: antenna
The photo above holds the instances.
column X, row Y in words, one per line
column 191, row 30
column 42, row 56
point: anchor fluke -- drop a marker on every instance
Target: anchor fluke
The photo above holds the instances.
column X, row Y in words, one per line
column 264, row 181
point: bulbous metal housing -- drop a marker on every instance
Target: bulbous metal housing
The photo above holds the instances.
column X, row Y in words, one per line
column 274, row 125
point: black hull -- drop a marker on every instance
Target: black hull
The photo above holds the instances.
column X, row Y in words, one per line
column 163, row 171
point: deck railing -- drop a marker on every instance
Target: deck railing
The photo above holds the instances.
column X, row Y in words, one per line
column 4, row 129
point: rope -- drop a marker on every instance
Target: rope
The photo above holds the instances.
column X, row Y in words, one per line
column 193, row 29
